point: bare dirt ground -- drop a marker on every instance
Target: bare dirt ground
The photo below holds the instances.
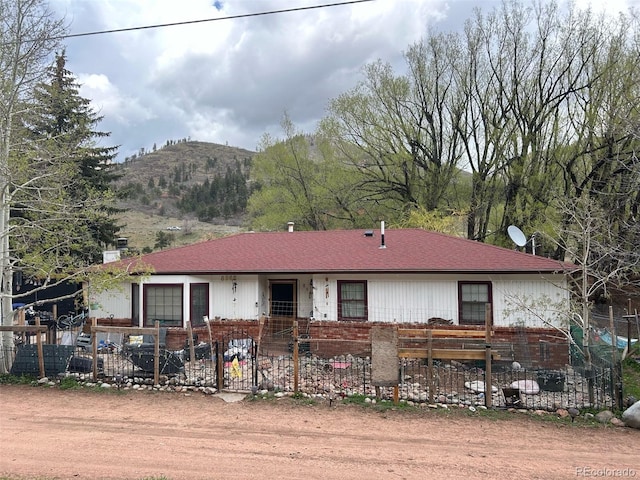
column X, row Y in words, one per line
column 71, row 434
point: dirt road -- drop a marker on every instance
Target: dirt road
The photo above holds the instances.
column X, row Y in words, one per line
column 51, row 433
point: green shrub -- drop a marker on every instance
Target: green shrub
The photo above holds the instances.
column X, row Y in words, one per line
column 631, row 374
column 8, row 379
column 69, row 383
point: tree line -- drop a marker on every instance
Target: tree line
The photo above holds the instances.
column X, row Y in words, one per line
column 530, row 105
column 143, row 151
column 223, row 196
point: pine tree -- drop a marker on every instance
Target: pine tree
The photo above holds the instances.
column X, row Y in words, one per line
column 163, row 240
column 69, row 124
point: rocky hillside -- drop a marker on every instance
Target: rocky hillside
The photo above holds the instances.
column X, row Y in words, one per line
column 152, row 184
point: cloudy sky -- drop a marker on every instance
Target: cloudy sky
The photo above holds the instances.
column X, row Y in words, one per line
column 231, row 80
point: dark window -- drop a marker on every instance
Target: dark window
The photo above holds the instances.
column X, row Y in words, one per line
column 473, row 298
column 352, row 300
column 135, row 304
column 199, row 293
column 163, row 303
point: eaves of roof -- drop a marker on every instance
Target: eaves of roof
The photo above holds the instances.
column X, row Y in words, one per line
column 405, row 251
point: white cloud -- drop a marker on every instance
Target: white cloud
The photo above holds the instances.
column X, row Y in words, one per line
column 610, row 7
column 110, row 102
column 231, row 80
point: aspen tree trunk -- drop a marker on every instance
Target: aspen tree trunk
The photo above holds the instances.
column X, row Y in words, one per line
column 29, row 35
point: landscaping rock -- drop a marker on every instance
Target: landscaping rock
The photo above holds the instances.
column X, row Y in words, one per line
column 617, row 422
column 478, row 386
column 528, row 387
column 604, row 416
column 631, row 416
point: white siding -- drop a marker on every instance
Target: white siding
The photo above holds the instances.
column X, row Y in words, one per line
column 548, row 297
column 115, row 302
column 417, row 298
column 305, row 296
column 324, row 298
column 411, row 300
column 234, row 297
column 391, row 298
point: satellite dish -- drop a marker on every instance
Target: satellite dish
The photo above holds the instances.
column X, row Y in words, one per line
column 517, row 236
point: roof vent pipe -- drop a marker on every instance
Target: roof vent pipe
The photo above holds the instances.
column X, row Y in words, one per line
column 382, row 245
column 290, row 225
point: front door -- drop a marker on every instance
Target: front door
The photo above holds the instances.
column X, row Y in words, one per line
column 282, row 305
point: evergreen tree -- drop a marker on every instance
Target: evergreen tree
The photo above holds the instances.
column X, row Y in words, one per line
column 163, row 240
column 69, row 125
column 51, row 212
column 227, row 194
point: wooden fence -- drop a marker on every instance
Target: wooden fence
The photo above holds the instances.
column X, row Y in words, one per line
column 421, row 341
column 127, row 331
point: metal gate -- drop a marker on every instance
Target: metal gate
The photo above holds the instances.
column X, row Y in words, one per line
column 236, row 362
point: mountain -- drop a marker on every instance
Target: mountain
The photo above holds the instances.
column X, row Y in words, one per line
column 152, row 184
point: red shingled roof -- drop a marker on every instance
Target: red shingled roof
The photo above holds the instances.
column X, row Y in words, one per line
column 407, row 250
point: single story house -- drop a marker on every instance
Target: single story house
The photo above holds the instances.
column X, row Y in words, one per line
column 401, row 276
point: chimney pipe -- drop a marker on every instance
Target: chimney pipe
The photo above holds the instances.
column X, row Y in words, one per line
column 290, row 225
column 382, row 245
